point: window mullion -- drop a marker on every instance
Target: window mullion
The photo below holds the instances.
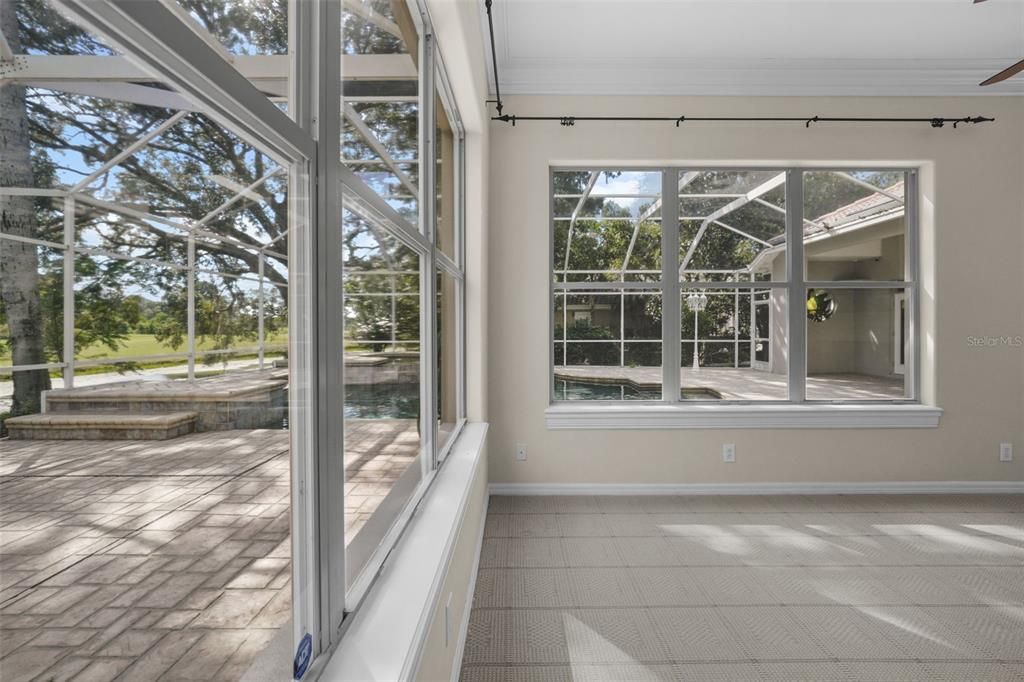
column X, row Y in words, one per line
column 911, row 267
column 429, row 267
column 670, row 293
column 796, row 290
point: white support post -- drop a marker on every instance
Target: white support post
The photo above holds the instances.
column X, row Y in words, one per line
column 353, row 117
column 869, row 186
column 736, row 330
column 753, row 326
column 622, row 328
column 671, row 303
column 576, row 213
column 912, row 274
column 796, row 308
column 129, row 150
column 696, row 338
column 565, row 328
column 750, row 196
column 261, row 335
column 394, row 312
column 69, row 292
column 428, row 273
column 191, row 319
column 170, row 51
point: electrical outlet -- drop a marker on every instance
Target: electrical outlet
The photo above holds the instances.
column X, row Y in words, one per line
column 1006, row 452
column 521, row 452
column 729, row 452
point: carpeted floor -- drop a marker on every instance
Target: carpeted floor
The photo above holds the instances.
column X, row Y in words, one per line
column 863, row 587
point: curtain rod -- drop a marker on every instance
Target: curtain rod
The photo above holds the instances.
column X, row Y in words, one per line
column 569, row 121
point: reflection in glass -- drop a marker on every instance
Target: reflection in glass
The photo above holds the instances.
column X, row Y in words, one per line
column 854, row 353
column 607, row 226
column 721, row 351
column 445, row 216
column 611, row 337
column 382, row 382
column 732, row 224
column 380, row 131
column 856, row 225
column 447, row 348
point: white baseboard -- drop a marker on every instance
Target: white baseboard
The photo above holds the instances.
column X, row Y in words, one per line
column 460, row 642
column 825, row 488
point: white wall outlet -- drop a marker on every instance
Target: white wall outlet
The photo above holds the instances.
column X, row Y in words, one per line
column 729, row 452
column 1006, row 452
column 521, row 452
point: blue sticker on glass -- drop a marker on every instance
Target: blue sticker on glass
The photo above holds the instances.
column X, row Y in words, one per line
column 302, row 657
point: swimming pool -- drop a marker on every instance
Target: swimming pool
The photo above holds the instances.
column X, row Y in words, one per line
column 576, row 389
column 402, row 400
column 390, row 400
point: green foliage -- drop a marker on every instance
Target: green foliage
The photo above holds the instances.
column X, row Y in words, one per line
column 589, row 353
column 72, row 134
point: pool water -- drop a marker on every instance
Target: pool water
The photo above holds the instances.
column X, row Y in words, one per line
column 573, row 389
column 402, row 400
column 382, row 401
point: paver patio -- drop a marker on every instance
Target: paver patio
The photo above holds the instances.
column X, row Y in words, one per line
column 169, row 560
column 744, row 383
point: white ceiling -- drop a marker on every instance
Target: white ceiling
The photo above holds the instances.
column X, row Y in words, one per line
column 760, row 47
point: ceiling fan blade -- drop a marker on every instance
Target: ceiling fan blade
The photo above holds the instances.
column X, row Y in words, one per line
column 1005, row 73
column 977, row 1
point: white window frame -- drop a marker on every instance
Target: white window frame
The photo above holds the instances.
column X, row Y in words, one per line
column 899, row 334
column 795, row 412
column 157, row 39
column 362, row 571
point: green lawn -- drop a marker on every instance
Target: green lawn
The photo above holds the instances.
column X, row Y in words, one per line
column 138, row 345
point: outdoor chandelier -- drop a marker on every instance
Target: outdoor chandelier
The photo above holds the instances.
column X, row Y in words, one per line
column 697, row 302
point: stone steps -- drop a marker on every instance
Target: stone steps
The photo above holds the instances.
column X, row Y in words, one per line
column 101, row 426
column 251, row 400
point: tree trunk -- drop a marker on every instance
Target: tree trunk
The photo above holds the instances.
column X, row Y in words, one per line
column 19, row 262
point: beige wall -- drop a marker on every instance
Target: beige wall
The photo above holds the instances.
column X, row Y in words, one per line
column 972, row 255
column 458, row 30
column 457, row 24
column 438, row 659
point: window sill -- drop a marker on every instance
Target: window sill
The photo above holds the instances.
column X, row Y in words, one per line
column 775, row 416
column 383, row 639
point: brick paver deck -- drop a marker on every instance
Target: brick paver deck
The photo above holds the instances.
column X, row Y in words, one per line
column 170, row 560
column 744, row 383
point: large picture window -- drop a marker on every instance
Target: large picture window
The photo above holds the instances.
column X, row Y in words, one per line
column 750, row 285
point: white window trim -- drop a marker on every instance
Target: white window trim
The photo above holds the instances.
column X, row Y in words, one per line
column 795, row 413
column 619, row 416
column 899, row 335
column 385, row 637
